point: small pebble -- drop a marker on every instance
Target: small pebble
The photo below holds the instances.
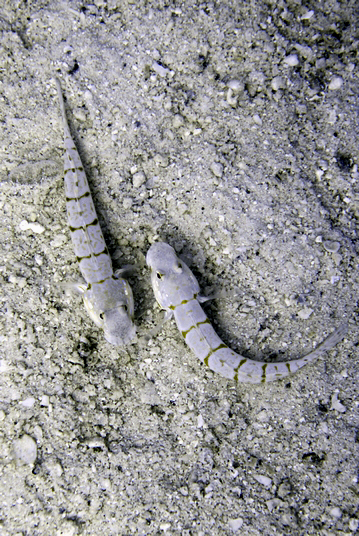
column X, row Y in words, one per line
column 138, row 179
column 235, row 85
column 231, row 99
column 28, row 402
column 262, row 416
column 291, row 60
column 337, row 258
column 17, row 280
column 264, row 480
column 335, row 83
column 181, row 207
column 58, row 241
column 127, row 203
column 151, row 183
column 235, row 524
column 336, row 404
column 277, row 83
column 159, row 69
column 34, row 227
column 305, row 51
column 284, row 489
column 25, row 449
column 257, row 119
column 217, row 169
column 331, row 246
column 305, row 313
column 308, row 15
column 353, row 524
column 45, row 401
column 3, row 366
column 95, row 442
column 273, row 503
column 38, row 259
column 336, row 512
column 288, row 519
column 177, row 121
column 161, row 160
column 114, row 135
column 54, row 469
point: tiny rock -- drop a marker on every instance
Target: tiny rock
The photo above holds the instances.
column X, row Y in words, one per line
column 138, row 179
column 25, row 449
column 217, row 169
column 235, row 524
column 336, row 404
column 264, row 480
column 335, row 83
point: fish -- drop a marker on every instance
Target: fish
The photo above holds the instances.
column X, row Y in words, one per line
column 107, row 296
column 177, row 292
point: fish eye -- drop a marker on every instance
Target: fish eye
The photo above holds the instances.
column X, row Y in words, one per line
column 125, row 307
column 102, row 316
column 159, row 275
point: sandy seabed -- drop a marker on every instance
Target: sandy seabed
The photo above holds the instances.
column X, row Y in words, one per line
column 229, row 130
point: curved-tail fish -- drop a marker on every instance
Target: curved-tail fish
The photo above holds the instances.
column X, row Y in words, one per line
column 177, row 292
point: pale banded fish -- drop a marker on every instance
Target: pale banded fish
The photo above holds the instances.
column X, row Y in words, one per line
column 177, row 291
column 107, row 298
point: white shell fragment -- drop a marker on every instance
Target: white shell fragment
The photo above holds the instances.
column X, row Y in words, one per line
column 25, row 449
column 336, row 512
column 177, row 121
column 264, row 480
column 305, row 313
column 291, row 60
column 231, row 99
column 331, row 246
column 159, row 69
column 257, row 119
column 138, row 179
column 34, row 227
column 235, row 524
column 28, row 402
column 308, row 15
column 127, row 202
column 277, row 83
column 236, row 86
column 58, row 241
column 336, row 404
column 335, row 83
column 217, row 169
column 45, row 400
